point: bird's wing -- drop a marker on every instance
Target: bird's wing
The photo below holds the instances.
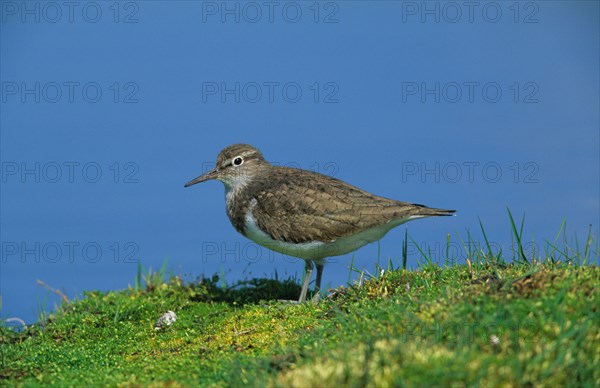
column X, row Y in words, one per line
column 301, row 206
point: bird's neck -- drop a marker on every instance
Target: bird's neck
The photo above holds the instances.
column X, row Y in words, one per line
column 238, row 194
column 237, row 201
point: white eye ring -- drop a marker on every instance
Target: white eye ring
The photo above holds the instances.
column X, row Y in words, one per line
column 237, row 161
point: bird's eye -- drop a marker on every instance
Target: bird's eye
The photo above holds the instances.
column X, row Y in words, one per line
column 238, row 161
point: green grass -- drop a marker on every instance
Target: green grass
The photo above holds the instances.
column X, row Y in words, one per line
column 485, row 323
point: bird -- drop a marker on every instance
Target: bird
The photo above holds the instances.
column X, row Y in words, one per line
column 302, row 213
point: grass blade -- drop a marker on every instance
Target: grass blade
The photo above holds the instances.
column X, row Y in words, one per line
column 448, row 250
column 517, row 236
column 487, row 242
column 405, row 249
column 427, row 258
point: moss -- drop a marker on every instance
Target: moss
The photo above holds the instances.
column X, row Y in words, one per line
column 534, row 324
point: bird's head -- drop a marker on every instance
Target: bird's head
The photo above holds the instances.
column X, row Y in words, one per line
column 236, row 165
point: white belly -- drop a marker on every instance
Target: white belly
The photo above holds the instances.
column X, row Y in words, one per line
column 318, row 250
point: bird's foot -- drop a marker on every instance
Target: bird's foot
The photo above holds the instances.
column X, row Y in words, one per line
column 289, row 301
column 314, row 300
column 317, row 298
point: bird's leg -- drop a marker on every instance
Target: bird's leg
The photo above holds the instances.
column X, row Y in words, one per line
column 317, row 296
column 319, row 276
column 308, row 269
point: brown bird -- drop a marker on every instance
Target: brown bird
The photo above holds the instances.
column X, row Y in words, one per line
column 302, row 213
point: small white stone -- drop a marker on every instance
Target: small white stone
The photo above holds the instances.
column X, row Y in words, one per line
column 167, row 319
column 494, row 340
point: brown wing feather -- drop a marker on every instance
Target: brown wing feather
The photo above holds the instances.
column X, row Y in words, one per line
column 320, row 208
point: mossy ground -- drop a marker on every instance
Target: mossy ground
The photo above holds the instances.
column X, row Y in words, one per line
column 529, row 324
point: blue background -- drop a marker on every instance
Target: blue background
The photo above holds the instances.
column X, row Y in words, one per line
column 379, row 108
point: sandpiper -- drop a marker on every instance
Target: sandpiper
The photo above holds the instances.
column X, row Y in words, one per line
column 302, row 213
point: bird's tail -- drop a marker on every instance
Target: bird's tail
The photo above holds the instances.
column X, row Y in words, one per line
column 430, row 211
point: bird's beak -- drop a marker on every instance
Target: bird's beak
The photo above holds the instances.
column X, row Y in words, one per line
column 212, row 174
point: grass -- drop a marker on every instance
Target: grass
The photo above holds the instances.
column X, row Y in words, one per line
column 486, row 322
